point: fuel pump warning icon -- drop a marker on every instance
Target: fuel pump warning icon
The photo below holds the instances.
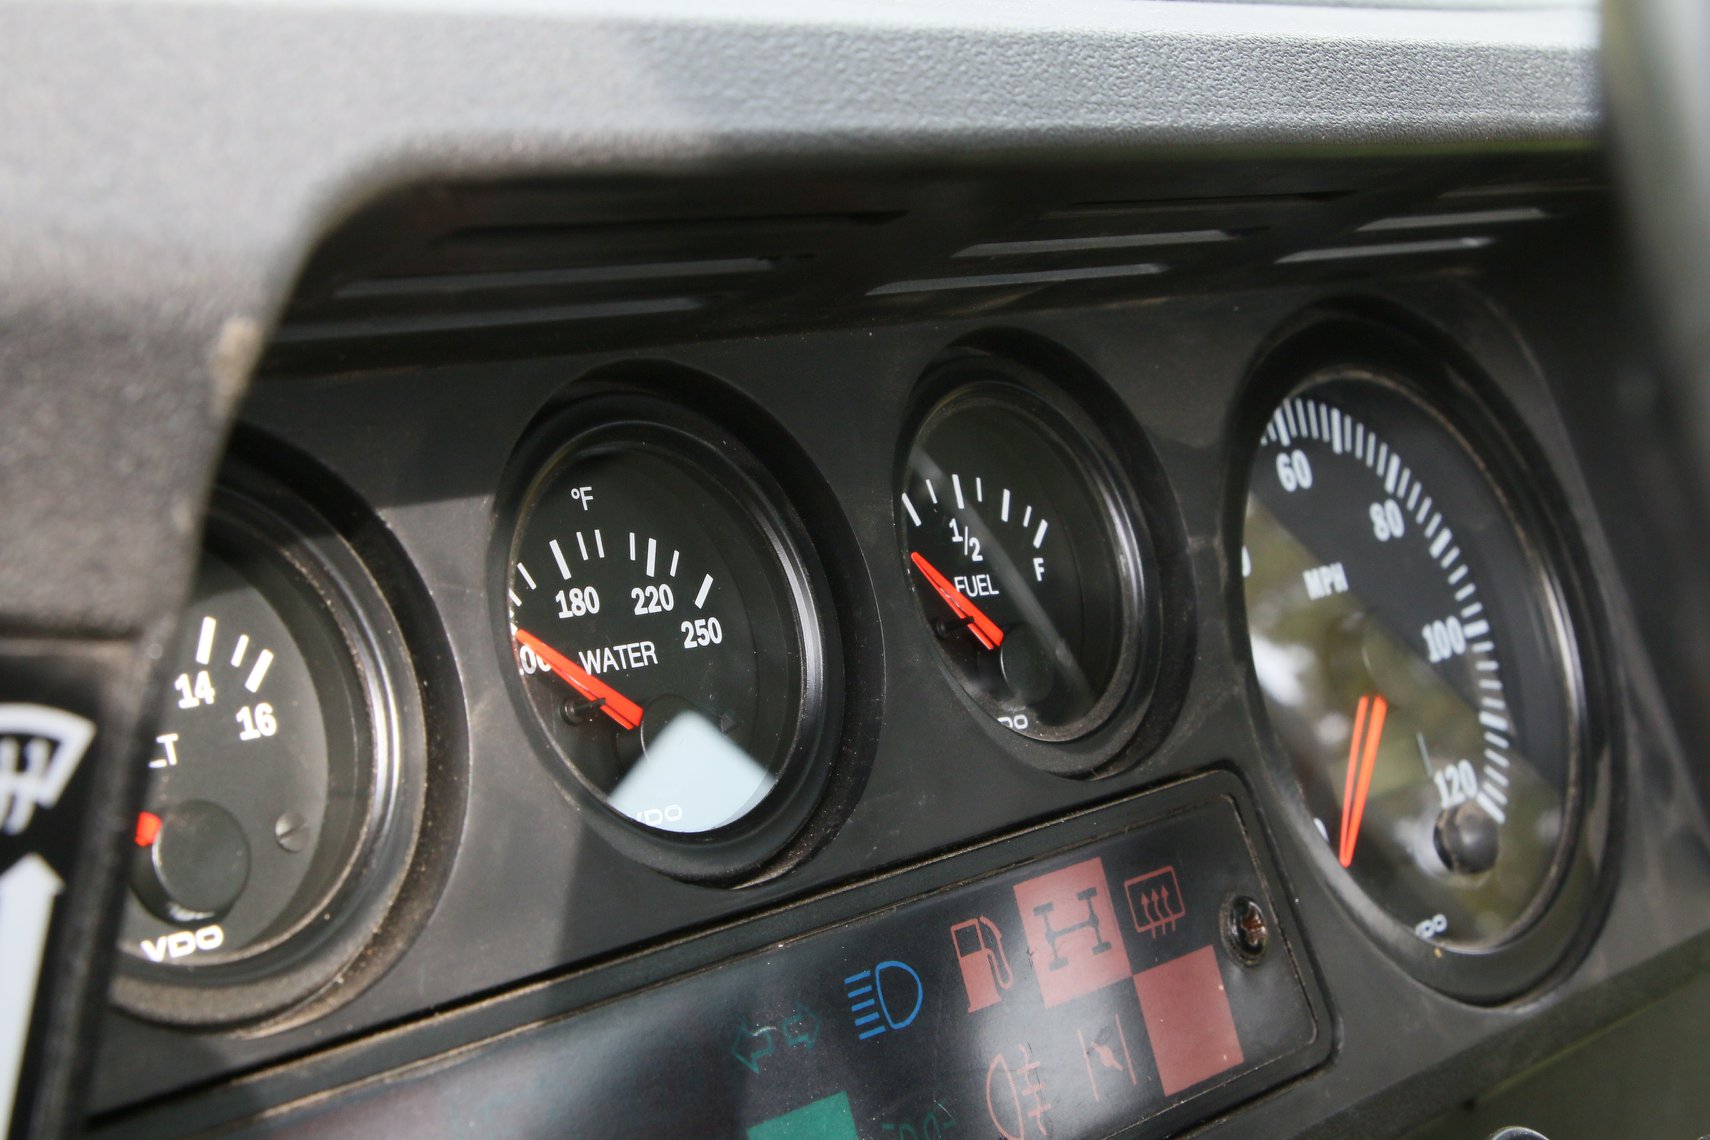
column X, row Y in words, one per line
column 985, row 968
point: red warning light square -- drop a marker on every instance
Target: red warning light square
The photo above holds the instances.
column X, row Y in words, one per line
column 1188, row 1019
column 1072, row 931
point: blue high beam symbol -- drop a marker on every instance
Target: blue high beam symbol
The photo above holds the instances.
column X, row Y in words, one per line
column 873, row 1009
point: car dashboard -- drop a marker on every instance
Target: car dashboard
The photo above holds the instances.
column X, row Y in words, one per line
column 1120, row 569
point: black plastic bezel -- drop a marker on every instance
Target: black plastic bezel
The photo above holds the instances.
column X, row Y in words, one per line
column 616, row 408
column 1359, row 341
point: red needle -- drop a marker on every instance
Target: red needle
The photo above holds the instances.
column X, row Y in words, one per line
column 981, row 626
column 148, row 828
column 613, row 703
column 1362, row 757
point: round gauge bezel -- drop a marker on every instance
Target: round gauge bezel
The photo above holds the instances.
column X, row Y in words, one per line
column 613, row 415
column 1096, row 743
column 1450, row 389
column 260, row 522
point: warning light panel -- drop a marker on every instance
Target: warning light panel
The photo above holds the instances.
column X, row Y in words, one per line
column 1090, row 988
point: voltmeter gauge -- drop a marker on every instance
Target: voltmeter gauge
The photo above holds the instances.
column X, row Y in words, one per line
column 1413, row 647
column 666, row 635
column 1020, row 546
column 271, row 820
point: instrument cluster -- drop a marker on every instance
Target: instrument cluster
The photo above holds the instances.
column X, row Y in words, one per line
column 698, row 641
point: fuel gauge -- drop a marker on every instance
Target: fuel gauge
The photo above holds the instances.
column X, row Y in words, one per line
column 1021, row 554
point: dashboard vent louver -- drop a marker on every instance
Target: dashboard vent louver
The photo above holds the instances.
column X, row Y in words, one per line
column 1090, row 250
column 1451, row 232
column 1376, row 249
column 487, row 270
column 1453, row 225
column 1542, row 188
column 491, row 262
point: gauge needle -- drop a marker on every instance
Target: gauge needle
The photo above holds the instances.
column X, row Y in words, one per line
column 982, row 627
column 1362, row 757
column 611, row 702
column 148, row 829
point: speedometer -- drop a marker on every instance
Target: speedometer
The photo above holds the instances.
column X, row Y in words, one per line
column 1415, row 657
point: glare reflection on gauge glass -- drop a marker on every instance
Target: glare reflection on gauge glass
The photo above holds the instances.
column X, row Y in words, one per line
column 694, row 765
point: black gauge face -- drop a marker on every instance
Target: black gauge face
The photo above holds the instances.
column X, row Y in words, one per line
column 655, row 619
column 259, row 789
column 1413, row 658
column 1022, row 564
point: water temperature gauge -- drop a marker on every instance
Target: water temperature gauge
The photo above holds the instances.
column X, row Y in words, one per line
column 666, row 637
column 1022, row 554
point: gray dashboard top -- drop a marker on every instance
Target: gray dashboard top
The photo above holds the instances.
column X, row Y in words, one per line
column 165, row 167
